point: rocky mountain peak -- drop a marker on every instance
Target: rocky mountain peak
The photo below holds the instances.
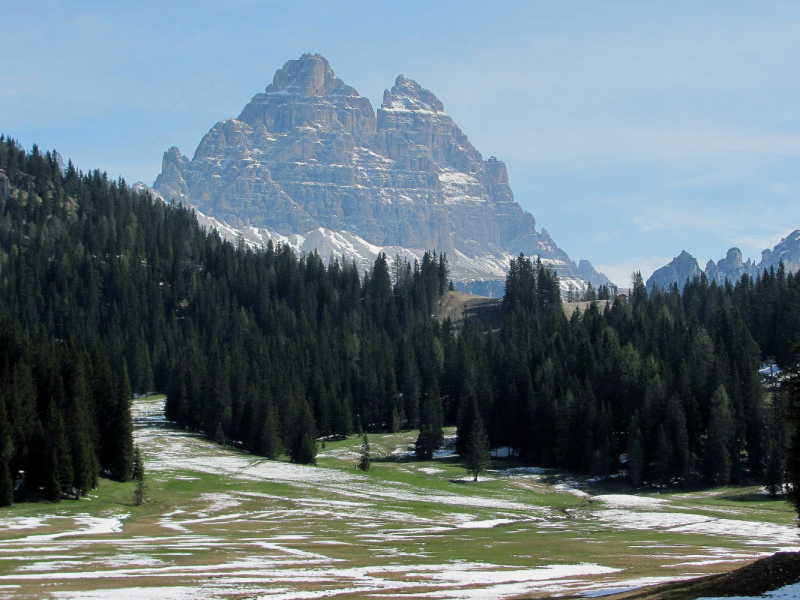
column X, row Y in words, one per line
column 306, row 93
column 310, row 153
column 678, row 270
column 786, row 251
column 732, row 267
column 407, row 94
column 310, row 75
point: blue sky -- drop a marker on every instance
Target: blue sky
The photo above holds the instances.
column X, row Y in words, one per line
column 631, row 130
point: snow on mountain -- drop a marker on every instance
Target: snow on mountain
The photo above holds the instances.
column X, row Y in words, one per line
column 309, row 157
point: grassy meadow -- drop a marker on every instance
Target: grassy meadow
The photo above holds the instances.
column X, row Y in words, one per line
column 221, row 523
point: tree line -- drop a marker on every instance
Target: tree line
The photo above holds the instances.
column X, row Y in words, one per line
column 106, row 292
column 665, row 386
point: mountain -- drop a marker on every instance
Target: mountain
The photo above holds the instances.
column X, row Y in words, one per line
column 310, row 154
column 682, row 267
column 787, row 250
column 588, row 273
column 730, row 268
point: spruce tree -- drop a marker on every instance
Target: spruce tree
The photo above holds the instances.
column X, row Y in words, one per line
column 477, row 454
column 677, row 438
column 717, row 456
column 52, row 481
column 364, row 461
column 431, row 419
column 138, row 477
column 467, row 411
column 792, row 386
column 270, row 441
column 122, row 441
column 307, row 452
column 219, row 435
column 773, row 479
column 6, row 485
column 303, row 443
column 661, row 458
column 61, row 473
column 6, row 454
column 635, row 452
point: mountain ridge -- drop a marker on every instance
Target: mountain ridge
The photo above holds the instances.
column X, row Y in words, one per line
column 732, row 267
column 309, row 152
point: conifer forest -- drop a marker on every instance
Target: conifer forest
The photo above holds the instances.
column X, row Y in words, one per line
column 106, row 292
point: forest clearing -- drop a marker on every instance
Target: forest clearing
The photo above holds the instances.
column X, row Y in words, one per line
column 222, row 523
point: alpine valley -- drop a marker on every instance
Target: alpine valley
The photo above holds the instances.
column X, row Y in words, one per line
column 309, row 163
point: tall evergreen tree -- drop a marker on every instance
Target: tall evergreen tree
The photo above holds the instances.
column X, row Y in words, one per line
column 477, row 457
column 303, row 444
column 717, row 457
column 468, row 411
column 364, row 461
column 677, row 438
column 431, row 435
column 138, row 476
column 635, row 461
column 271, row 445
column 6, row 453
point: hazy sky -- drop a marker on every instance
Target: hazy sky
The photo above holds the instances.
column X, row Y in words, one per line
column 631, row 130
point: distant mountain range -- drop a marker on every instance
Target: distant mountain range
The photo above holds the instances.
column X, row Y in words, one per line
column 731, row 268
column 310, row 163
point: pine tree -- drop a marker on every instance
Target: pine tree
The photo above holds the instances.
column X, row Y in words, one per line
column 364, row 462
column 467, row 411
column 792, row 385
column 477, row 455
column 307, row 452
column 661, row 455
column 138, row 476
column 303, row 444
column 773, row 479
column 52, row 482
column 61, row 473
column 635, row 452
column 677, row 439
column 431, row 435
column 6, row 485
column 271, row 445
column 717, row 457
column 219, row 435
column 6, row 454
column 122, row 441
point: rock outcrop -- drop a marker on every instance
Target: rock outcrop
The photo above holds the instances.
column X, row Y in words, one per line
column 786, row 251
column 678, row 270
column 731, row 268
column 588, row 273
column 310, row 153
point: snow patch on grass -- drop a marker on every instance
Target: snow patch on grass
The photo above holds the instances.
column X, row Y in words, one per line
column 752, row 532
column 487, row 524
column 630, row 501
column 571, row 487
column 22, row 523
column 430, row 470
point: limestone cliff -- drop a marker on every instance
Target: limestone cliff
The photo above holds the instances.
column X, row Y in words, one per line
column 309, row 153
